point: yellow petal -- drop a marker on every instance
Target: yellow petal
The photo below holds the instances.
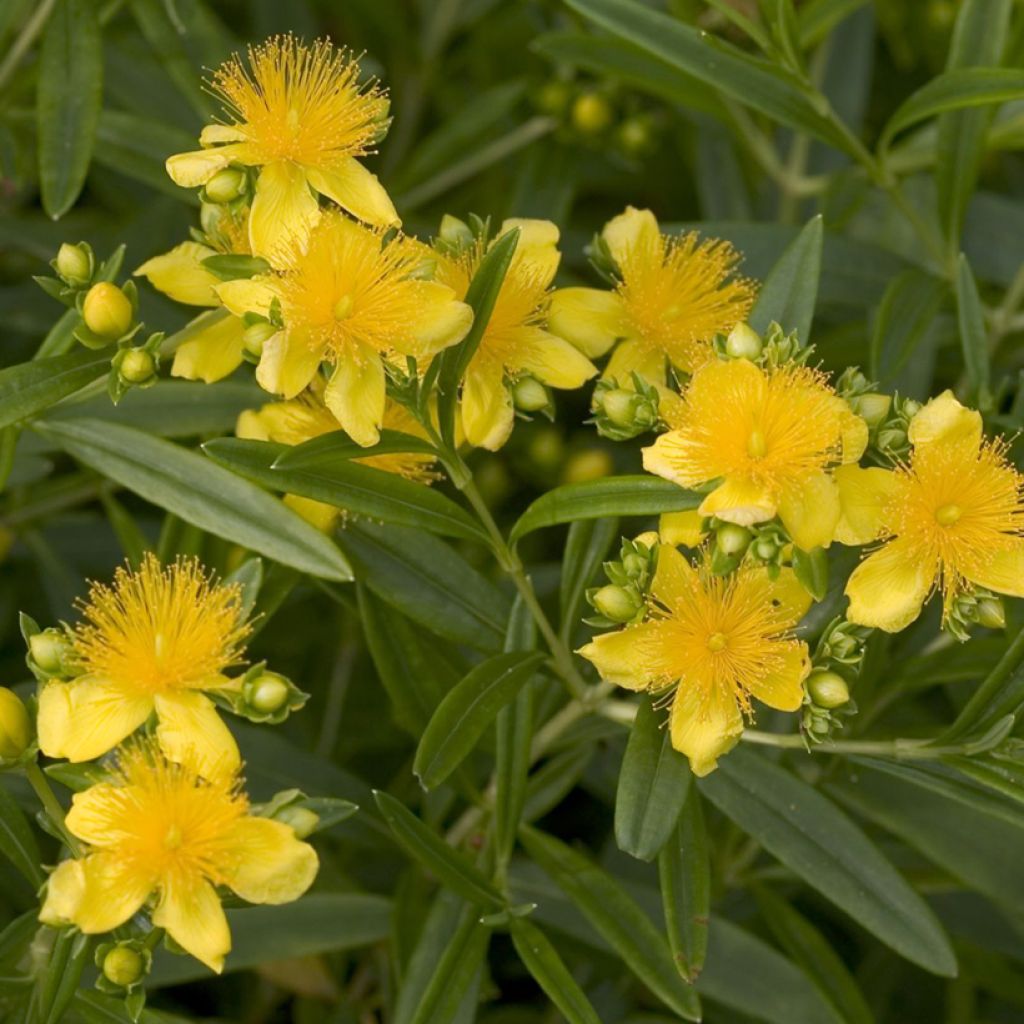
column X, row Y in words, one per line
column 288, row 363
column 532, row 231
column 787, row 593
column 853, row 433
column 486, row 406
column 98, row 815
column 63, row 894
column 215, row 134
column 536, row 248
column 630, row 357
column 247, row 295
column 683, row 528
column 355, row 189
column 630, row 230
column 180, row 275
column 192, row 914
column 782, row 687
column 191, row 732
column 82, row 720
column 1001, row 571
column 550, row 359
column 110, row 890
column 356, row 395
column 271, row 865
column 283, row 212
column 212, row 353
column 863, row 496
column 441, row 321
column 674, row 577
column 590, row 319
column 888, row 588
column 637, row 657
column 704, row 731
column 810, row 511
column 945, row 419
column 736, row 500
column 318, row 513
column 664, row 458
column 190, row 170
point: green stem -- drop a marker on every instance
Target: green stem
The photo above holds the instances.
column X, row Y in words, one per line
column 20, row 46
column 898, row 749
column 39, row 782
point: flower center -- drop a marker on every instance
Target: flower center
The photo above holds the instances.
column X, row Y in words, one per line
column 717, row 642
column 343, row 307
column 173, row 837
column 756, row 444
column 947, row 515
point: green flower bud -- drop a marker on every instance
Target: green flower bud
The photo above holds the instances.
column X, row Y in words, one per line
column 910, row 407
column 137, row 367
column 553, row 98
column 268, row 693
column 616, row 603
column 871, row 407
column 591, row 464
column 766, row 549
column 15, row 729
column 828, row 689
column 892, row 439
column 744, row 343
column 301, row 820
column 529, row 395
column 225, row 185
column 990, row 613
column 732, row 539
column 635, row 135
column 635, row 565
column 591, row 113
column 618, row 406
column 107, row 311
column 256, row 336
column 48, row 651
column 74, row 263
column 455, row 232
column 123, row 966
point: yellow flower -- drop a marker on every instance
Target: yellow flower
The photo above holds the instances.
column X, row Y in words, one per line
column 307, row 417
column 770, row 437
column 951, row 518
column 718, row 641
column 674, row 294
column 354, row 299
column 299, row 113
column 152, row 642
column 157, row 829
column 517, row 339
column 214, row 350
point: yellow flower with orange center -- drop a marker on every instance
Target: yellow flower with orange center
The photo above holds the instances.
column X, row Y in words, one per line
column 715, row 642
column 951, row 518
column 154, row 641
column 157, row 829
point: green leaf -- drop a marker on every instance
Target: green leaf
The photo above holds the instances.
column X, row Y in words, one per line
column 954, row 90
column 68, row 101
column 137, row 148
column 468, row 710
column 908, row 308
column 973, row 336
column 199, row 492
column 17, row 843
column 541, row 959
column 610, row 496
column 809, row 948
column 653, row 782
column 756, row 83
column 617, row 917
column 816, row 841
column 28, row 388
column 348, row 485
column 811, row 569
column 817, row 18
column 447, row 864
column 790, row 291
column 328, row 450
column 684, row 874
column 586, row 546
column 481, row 296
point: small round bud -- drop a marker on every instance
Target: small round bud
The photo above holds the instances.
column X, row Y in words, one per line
column 74, row 264
column 744, row 342
column 732, row 539
column 911, row 407
column 547, row 449
column 553, row 98
column 634, row 135
column 616, row 603
column 591, row 113
column 634, row 565
column 591, row 464
column 268, row 693
column 48, row 650
column 301, row 820
column 891, row 439
column 107, row 311
column 990, row 613
column 828, row 689
column 138, row 366
column 123, row 966
column 872, row 407
column 618, row 406
column 15, row 729
column 211, row 217
column 455, row 231
column 529, row 395
column 225, row 185
column 256, row 336
column 766, row 549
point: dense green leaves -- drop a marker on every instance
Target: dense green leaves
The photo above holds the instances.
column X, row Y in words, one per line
column 973, row 336
column 29, row 388
column 790, row 291
column 904, row 317
column 17, row 842
column 327, row 450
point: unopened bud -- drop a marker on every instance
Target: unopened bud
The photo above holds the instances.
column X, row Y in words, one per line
column 990, row 613
column 529, row 395
column 107, row 311
column 892, row 439
column 455, row 232
column 616, row 603
column 15, row 730
column 225, row 185
column 591, row 113
column 123, row 966
column 634, row 565
column 634, row 135
column 48, row 651
column 871, row 407
column 74, row 263
column 256, row 336
column 766, row 549
column 268, row 693
column 911, row 407
column 828, row 689
column 732, row 539
column 744, row 343
column 591, row 464
column 137, row 366
column 553, row 98
column 618, row 406
column 301, row 820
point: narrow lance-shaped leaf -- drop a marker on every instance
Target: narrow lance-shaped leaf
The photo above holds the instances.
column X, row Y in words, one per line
column 909, row 306
column 29, row 388
column 973, row 336
column 326, row 450
column 585, row 548
column 17, row 842
column 456, row 972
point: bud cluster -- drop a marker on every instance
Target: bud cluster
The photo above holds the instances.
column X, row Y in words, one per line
column 456, row 236
column 889, row 437
column 262, row 696
column 624, row 598
column 621, row 414
column 978, row 607
column 134, row 366
column 771, row 350
column 837, row 659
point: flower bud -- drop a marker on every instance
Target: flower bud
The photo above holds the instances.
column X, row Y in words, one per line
column 871, row 407
column 267, row 693
column 892, row 439
column 911, row 408
column 137, row 367
column 74, row 263
column 107, row 311
column 591, row 113
column 635, row 565
column 529, row 395
column 766, row 549
column 15, row 729
column 990, row 613
column 635, row 136
column 225, row 185
column 48, row 651
column 455, row 232
column 828, row 689
column 553, row 98
column 616, row 603
column 744, row 343
column 123, row 966
column 301, row 820
column 256, row 336
column 732, row 539
column 591, row 464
